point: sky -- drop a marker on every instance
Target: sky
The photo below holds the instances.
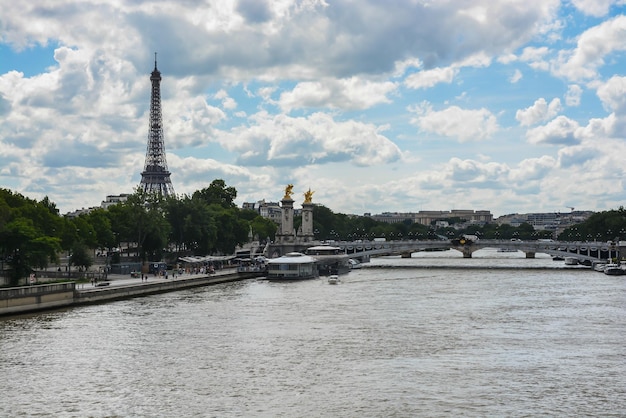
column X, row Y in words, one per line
column 512, row 106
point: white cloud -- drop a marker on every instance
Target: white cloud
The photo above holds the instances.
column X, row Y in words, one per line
column 532, row 169
column 559, row 131
column 535, row 57
column 572, row 97
column 613, row 94
column 191, row 123
column 228, row 102
column 352, row 93
column 476, row 173
column 77, row 130
column 464, row 124
column 429, row 78
column 576, row 155
column 592, row 48
column 596, row 8
column 317, row 139
column 540, row 111
column 517, row 76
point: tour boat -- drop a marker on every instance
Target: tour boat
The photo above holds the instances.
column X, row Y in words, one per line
column 329, row 259
column 354, row 264
column 614, row 269
column 599, row 266
column 292, row 266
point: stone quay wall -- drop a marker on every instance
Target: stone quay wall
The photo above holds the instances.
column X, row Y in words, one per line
column 38, row 297
column 19, row 300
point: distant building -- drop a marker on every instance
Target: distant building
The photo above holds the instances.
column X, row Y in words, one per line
column 549, row 221
column 78, row 212
column 268, row 210
column 429, row 217
column 114, row 200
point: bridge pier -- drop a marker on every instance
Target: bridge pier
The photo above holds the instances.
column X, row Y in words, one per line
column 405, row 255
column 467, row 252
column 530, row 255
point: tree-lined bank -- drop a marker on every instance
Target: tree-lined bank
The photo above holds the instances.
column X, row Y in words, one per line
column 33, row 234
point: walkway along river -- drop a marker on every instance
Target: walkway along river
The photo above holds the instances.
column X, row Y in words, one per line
column 53, row 296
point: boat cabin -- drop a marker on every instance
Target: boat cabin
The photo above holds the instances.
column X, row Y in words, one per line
column 292, row 266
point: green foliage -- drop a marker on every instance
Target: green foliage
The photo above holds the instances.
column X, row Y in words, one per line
column 232, row 231
column 602, row 226
column 27, row 234
column 193, row 229
column 100, row 223
column 32, row 233
column 79, row 256
column 218, row 193
column 263, row 228
column 141, row 220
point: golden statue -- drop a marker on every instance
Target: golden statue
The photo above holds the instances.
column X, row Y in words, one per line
column 308, row 196
column 288, row 192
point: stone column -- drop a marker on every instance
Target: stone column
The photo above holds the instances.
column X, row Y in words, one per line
column 286, row 220
column 307, row 222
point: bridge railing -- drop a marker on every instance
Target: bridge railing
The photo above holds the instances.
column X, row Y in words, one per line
column 592, row 250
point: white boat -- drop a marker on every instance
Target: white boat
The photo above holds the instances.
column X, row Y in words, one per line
column 599, row 266
column 354, row 264
column 333, row 279
column 292, row 266
column 614, row 269
column 329, row 259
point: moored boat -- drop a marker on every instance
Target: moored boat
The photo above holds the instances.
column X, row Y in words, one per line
column 292, row 266
column 599, row 266
column 614, row 269
column 354, row 264
column 329, row 259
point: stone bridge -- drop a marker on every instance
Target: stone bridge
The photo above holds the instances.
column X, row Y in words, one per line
column 591, row 251
column 363, row 250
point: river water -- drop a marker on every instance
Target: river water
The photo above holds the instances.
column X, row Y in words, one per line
column 393, row 339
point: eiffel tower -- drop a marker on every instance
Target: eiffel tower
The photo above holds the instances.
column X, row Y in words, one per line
column 155, row 177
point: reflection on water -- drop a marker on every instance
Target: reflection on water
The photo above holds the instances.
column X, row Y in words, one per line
column 384, row 342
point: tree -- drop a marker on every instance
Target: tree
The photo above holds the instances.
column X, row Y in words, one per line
column 79, row 256
column 141, row 216
column 263, row 228
column 24, row 248
column 27, row 234
column 193, row 228
column 100, row 224
column 602, row 226
column 232, row 230
column 218, row 193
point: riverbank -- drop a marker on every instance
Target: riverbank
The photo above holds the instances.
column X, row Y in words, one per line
column 19, row 300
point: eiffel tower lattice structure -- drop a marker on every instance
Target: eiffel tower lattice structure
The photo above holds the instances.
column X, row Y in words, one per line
column 155, row 177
